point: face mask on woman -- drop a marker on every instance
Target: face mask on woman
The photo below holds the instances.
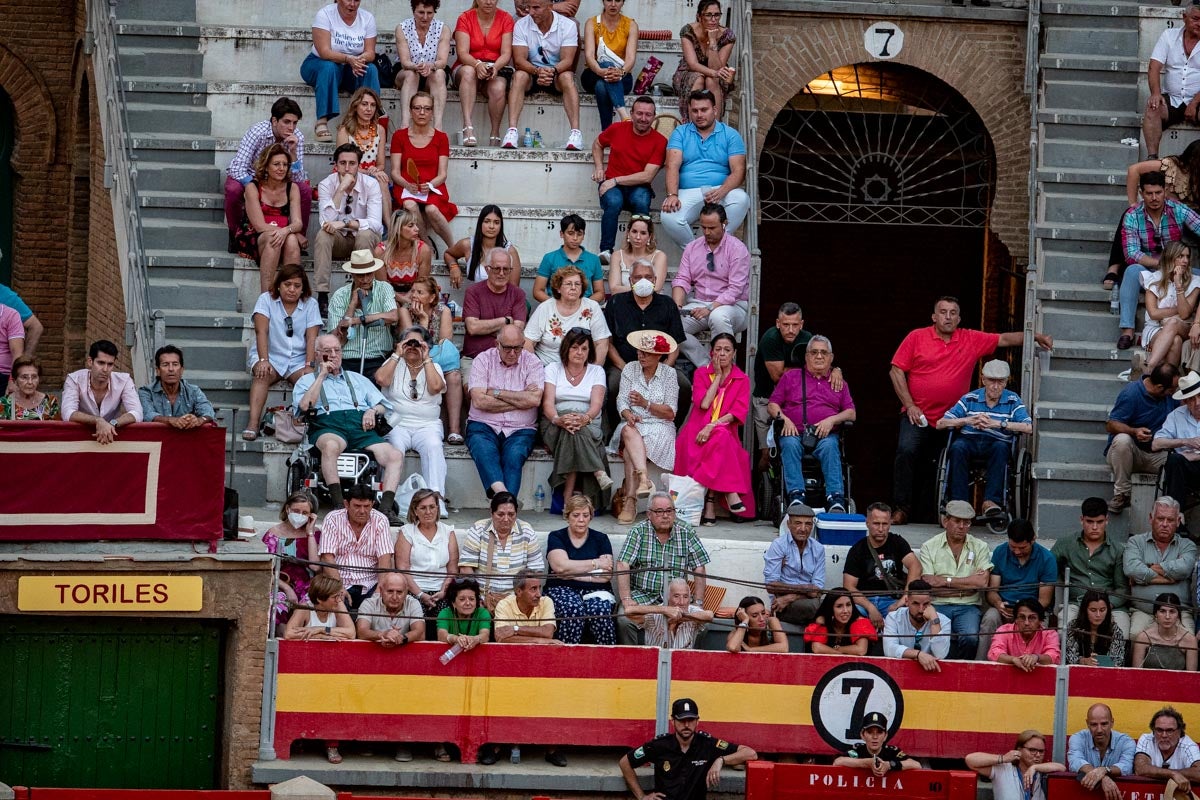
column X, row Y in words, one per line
column 297, row 520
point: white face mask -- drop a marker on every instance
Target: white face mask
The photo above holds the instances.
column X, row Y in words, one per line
column 643, row 287
column 297, row 520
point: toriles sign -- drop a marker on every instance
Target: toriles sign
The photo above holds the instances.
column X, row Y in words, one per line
column 92, row 593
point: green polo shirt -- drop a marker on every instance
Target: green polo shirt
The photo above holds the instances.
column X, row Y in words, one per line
column 937, row 559
column 1101, row 570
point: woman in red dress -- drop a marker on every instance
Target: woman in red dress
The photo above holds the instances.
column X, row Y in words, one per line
column 420, row 160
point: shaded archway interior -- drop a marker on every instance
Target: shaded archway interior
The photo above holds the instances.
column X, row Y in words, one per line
column 8, row 128
column 876, row 182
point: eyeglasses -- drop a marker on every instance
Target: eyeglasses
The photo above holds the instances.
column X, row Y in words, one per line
column 542, row 55
column 346, row 210
column 670, row 510
column 330, row 350
column 581, row 331
column 711, row 15
column 511, row 348
column 499, row 269
column 1166, row 731
column 412, row 387
column 822, row 353
column 712, row 264
column 920, row 635
column 420, row 108
column 291, row 331
column 1035, row 749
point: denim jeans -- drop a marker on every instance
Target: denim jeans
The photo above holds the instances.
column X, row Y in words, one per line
column 964, row 450
column 1131, row 292
column 882, row 602
column 827, row 455
column 327, row 78
column 635, row 199
column 609, row 96
column 499, row 457
column 964, row 624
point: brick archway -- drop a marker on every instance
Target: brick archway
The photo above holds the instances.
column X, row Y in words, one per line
column 982, row 61
column 37, row 128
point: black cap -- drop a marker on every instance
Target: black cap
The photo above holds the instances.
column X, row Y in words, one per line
column 685, row 708
column 875, row 720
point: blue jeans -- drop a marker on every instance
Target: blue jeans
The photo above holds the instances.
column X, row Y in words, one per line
column 1131, row 292
column 882, row 602
column 499, row 457
column 617, row 199
column 964, row 450
column 827, row 455
column 964, row 624
column 327, row 78
column 609, row 96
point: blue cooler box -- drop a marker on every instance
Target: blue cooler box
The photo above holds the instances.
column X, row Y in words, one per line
column 845, row 529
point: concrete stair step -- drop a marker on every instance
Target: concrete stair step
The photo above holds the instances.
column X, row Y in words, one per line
column 178, row 177
column 1069, row 385
column 1067, row 178
column 1063, row 92
column 144, row 61
column 1073, row 261
column 206, row 354
column 1071, row 36
column 206, row 326
column 1069, row 153
column 157, row 9
column 157, row 116
column 1069, row 417
column 197, row 235
column 1078, row 322
column 1073, row 292
column 1080, row 231
column 1081, row 204
column 166, row 291
column 170, row 257
column 1075, row 116
column 182, row 91
column 1070, row 446
column 157, row 29
column 1098, row 63
column 1091, row 8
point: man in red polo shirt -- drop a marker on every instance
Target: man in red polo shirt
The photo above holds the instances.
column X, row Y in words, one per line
column 636, row 154
column 932, row 368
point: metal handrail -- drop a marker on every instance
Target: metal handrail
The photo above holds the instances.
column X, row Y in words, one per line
column 742, row 12
column 142, row 325
column 1031, row 367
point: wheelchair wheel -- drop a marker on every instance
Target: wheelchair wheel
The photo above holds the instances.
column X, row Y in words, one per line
column 1023, row 485
column 943, row 477
column 999, row 523
column 295, row 477
column 766, row 496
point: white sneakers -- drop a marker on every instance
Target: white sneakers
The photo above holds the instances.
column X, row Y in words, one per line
column 510, row 139
column 575, row 140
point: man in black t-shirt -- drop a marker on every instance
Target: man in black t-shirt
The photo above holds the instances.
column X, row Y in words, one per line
column 686, row 761
column 877, row 580
column 873, row 753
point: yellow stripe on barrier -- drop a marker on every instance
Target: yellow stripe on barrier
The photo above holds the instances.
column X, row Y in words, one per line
column 561, row 698
column 1132, row 716
column 777, row 704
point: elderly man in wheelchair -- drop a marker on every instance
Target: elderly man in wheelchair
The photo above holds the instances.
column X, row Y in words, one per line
column 987, row 421
column 345, row 411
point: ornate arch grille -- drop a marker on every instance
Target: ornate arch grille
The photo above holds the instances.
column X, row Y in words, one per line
column 878, row 143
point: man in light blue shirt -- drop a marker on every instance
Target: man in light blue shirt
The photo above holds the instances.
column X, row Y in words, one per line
column 346, row 407
column 916, row 630
column 1099, row 754
column 794, row 568
column 706, row 163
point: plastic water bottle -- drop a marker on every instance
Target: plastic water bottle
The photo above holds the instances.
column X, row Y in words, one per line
column 528, row 140
column 515, row 756
column 1114, row 302
column 449, row 655
column 539, row 499
column 455, row 311
column 537, row 138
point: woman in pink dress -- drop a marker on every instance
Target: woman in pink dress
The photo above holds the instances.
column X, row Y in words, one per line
column 420, row 161
column 709, row 449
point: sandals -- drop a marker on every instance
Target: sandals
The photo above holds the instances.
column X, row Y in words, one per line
column 1110, row 279
column 440, row 753
column 321, row 131
column 332, row 755
column 738, row 507
column 711, row 519
column 468, row 141
column 645, row 485
column 494, row 141
column 249, row 435
column 454, row 438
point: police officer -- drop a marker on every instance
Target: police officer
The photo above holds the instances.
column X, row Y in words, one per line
column 873, row 753
column 687, row 762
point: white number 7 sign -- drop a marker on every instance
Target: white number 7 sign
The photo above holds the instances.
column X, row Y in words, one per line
column 884, row 40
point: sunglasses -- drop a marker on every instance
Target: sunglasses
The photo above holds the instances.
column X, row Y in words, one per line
column 712, row 264
column 412, row 387
column 291, row 330
column 581, row 331
column 646, row 217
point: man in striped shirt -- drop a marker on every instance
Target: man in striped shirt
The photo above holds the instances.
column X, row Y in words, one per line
column 987, row 420
column 356, row 544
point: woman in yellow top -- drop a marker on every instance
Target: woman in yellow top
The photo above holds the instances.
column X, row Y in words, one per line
column 610, row 41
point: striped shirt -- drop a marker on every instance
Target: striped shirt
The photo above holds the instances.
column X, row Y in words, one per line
column 1008, row 407
column 378, row 336
column 654, row 564
column 658, row 632
column 520, row 551
column 356, row 556
column 258, row 138
column 1141, row 237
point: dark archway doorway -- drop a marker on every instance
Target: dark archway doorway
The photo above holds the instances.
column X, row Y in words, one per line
column 8, row 135
column 876, row 182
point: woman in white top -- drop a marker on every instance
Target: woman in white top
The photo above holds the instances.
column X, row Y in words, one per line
column 342, row 57
column 429, row 549
column 1171, row 295
column 423, row 47
column 286, row 323
column 473, row 250
column 640, row 245
column 413, row 383
column 567, row 309
column 570, row 422
column 1020, row 773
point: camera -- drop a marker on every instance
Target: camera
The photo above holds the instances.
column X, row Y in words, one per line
column 808, row 438
column 411, row 343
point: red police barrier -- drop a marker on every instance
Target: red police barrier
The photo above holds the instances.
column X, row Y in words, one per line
column 1064, row 786
column 767, row 781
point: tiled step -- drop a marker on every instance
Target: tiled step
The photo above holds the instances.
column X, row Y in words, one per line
column 178, row 177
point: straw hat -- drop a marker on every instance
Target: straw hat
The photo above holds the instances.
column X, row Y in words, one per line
column 361, row 262
column 652, row 341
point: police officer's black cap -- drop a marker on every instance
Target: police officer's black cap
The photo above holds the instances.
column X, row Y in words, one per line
column 875, row 720
column 685, row 708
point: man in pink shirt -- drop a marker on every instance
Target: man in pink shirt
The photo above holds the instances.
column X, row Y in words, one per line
column 1024, row 643
column 506, row 390
column 931, row 370
column 99, row 397
column 356, row 543
column 12, row 342
column 712, row 285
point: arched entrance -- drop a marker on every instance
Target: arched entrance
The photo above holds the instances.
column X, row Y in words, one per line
column 8, row 128
column 876, row 182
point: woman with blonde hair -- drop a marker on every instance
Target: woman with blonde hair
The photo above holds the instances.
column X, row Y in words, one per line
column 640, row 245
column 405, row 255
column 1019, row 774
column 361, row 125
column 1172, row 292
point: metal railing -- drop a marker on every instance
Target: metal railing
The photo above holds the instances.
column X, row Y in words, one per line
column 1031, row 366
column 748, row 127
column 143, row 327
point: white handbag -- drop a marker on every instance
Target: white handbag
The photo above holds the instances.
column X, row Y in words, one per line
column 604, row 52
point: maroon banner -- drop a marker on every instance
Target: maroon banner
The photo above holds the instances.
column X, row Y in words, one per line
column 154, row 482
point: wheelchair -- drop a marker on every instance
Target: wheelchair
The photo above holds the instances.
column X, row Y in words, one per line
column 772, row 493
column 353, row 467
column 1018, row 482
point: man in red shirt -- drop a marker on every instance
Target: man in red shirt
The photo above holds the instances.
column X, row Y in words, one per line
column 932, row 368
column 636, row 153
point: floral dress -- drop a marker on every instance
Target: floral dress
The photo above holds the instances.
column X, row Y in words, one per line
column 246, row 238
column 549, row 324
column 684, row 78
column 657, row 433
column 45, row 410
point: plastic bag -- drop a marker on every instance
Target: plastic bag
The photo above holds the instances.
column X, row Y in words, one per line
column 688, row 496
column 405, row 491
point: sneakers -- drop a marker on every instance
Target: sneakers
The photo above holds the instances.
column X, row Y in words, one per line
column 574, row 141
column 1119, row 503
column 605, row 256
column 510, row 139
column 835, row 504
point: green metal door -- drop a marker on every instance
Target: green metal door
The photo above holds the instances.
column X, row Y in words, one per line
column 8, row 131
column 109, row 702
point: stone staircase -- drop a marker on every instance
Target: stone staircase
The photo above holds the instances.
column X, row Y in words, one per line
column 198, row 73
column 1092, row 60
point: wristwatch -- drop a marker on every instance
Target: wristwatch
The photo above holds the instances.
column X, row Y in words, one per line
column 346, row 220
column 1004, row 424
column 949, row 580
column 508, row 320
column 516, row 628
column 496, row 393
